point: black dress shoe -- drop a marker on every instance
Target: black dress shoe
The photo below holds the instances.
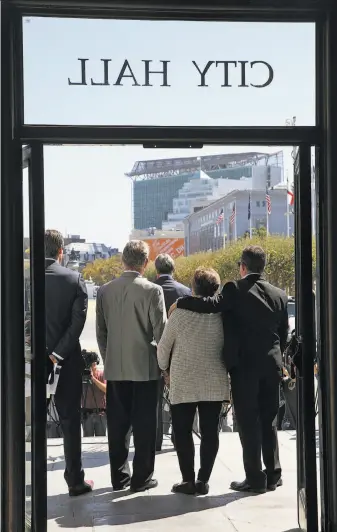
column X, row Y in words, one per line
column 245, row 487
column 202, row 488
column 121, row 487
column 272, row 487
column 81, row 489
column 187, row 488
column 147, row 486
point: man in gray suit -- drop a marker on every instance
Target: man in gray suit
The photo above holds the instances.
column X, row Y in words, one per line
column 130, row 319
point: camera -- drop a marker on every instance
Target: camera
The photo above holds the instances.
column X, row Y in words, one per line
column 89, row 358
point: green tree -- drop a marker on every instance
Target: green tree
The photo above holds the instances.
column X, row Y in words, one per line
column 280, row 268
column 102, row 271
column 261, row 233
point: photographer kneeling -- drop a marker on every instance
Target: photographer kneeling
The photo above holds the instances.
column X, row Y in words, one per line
column 93, row 397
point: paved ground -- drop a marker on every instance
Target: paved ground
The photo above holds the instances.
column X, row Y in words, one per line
column 160, row 510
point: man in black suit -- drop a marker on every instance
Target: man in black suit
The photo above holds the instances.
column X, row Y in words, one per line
column 255, row 318
column 164, row 265
column 66, row 311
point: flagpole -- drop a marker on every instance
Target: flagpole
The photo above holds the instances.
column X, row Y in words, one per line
column 288, row 212
column 250, row 217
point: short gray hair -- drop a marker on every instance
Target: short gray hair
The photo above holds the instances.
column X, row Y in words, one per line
column 164, row 264
column 135, row 254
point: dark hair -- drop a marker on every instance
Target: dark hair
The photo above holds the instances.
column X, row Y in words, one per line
column 53, row 243
column 254, row 258
column 206, row 282
column 164, row 264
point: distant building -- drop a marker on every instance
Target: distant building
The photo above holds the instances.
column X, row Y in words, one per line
column 163, row 189
column 203, row 233
column 198, row 193
column 73, row 239
column 159, row 241
column 84, row 252
column 113, row 251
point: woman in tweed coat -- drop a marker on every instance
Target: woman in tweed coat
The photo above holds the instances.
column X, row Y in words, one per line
column 191, row 349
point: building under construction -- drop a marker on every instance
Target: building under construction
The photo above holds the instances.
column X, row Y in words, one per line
column 157, row 182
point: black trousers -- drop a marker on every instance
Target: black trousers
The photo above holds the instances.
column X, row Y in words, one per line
column 132, row 405
column 182, row 421
column 256, row 403
column 68, row 405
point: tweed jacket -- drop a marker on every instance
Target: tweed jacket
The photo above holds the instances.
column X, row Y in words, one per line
column 191, row 346
column 130, row 319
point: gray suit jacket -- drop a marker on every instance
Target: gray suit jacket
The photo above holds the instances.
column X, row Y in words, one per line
column 130, row 319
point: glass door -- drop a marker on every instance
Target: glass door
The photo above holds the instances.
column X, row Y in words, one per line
column 305, row 332
column 35, row 359
column 26, row 154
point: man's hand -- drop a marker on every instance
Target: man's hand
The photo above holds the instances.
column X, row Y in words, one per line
column 53, row 359
column 172, row 309
column 94, row 378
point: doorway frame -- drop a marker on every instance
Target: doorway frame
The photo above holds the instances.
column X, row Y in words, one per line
column 15, row 133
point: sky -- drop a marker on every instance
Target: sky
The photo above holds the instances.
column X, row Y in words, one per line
column 86, row 190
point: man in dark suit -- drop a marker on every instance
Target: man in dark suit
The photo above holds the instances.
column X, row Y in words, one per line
column 255, row 321
column 164, row 265
column 66, row 311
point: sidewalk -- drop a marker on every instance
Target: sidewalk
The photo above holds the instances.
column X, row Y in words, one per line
column 160, row 510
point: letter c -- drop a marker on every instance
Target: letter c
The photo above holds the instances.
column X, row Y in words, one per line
column 270, row 77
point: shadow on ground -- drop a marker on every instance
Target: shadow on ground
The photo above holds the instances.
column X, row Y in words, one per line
column 89, row 458
column 103, row 507
column 93, row 459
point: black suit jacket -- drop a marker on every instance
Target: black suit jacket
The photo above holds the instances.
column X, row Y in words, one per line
column 66, row 310
column 172, row 289
column 255, row 319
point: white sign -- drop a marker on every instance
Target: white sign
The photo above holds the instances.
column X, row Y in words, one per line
column 167, row 73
